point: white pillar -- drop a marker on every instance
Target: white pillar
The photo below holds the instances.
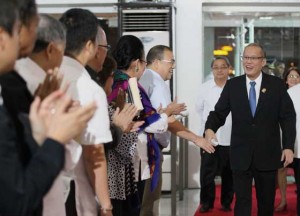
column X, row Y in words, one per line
column 189, row 69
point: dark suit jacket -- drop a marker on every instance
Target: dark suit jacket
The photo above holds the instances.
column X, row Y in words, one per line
column 17, row 99
column 23, row 184
column 15, row 93
column 256, row 140
column 27, row 170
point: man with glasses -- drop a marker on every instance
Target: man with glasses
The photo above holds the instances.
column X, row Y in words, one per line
column 94, row 66
column 90, row 174
column 217, row 163
column 160, row 66
column 260, row 106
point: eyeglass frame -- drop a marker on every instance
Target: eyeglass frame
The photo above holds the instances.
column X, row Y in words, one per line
column 251, row 58
column 292, row 76
column 172, row 61
column 220, row 68
column 108, row 47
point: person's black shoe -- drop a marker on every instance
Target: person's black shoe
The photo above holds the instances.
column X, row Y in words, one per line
column 226, row 208
column 204, row 208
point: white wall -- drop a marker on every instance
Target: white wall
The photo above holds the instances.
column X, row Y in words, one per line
column 189, row 70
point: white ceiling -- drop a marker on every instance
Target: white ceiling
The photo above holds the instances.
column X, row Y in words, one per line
column 264, row 13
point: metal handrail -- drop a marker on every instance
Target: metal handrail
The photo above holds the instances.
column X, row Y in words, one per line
column 182, row 174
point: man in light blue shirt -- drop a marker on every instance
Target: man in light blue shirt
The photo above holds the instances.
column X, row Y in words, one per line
column 161, row 63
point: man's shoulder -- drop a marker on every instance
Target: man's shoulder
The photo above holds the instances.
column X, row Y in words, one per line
column 237, row 79
column 148, row 76
column 207, row 83
column 236, row 82
column 12, row 79
column 86, row 82
column 147, row 81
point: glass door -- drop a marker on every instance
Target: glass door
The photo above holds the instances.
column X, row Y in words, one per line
column 228, row 28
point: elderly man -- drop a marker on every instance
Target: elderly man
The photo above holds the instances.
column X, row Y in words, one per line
column 47, row 54
column 160, row 67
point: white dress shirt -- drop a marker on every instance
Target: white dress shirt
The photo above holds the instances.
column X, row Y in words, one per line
column 31, row 72
column 83, row 89
column 159, row 94
column 54, row 200
column 209, row 95
column 294, row 93
column 141, row 156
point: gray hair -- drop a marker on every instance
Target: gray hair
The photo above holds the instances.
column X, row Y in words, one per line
column 220, row 57
column 49, row 30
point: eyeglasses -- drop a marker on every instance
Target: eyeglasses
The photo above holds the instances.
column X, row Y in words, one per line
column 291, row 76
column 251, row 58
column 143, row 61
column 220, row 68
column 172, row 61
column 105, row 46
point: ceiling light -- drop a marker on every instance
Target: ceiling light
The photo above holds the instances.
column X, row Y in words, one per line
column 220, row 53
column 266, row 18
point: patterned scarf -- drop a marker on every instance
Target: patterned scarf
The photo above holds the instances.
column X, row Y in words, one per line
column 149, row 116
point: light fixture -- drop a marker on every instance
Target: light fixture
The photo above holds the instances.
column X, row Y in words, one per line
column 266, row 18
column 220, row 53
column 227, row 48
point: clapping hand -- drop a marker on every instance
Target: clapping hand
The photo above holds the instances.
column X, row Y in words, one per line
column 123, row 119
column 52, row 117
column 179, row 107
column 51, row 83
column 175, row 108
column 120, row 100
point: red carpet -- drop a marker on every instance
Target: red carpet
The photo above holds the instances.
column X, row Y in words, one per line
column 291, row 200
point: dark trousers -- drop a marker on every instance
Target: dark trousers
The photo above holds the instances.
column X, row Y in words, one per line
column 211, row 166
column 125, row 207
column 297, row 178
column 265, row 183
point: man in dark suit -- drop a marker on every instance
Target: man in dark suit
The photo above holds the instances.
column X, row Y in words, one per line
column 260, row 106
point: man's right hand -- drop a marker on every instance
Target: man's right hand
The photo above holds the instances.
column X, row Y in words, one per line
column 210, row 135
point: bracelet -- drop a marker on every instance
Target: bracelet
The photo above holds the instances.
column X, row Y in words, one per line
column 105, row 210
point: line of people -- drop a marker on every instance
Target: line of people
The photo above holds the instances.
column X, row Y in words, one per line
column 110, row 161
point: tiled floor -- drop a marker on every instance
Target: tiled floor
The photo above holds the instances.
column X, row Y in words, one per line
column 186, row 207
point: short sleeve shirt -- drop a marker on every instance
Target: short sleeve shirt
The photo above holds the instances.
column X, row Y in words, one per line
column 83, row 89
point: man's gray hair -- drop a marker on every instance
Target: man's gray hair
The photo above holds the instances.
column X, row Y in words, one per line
column 49, row 30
